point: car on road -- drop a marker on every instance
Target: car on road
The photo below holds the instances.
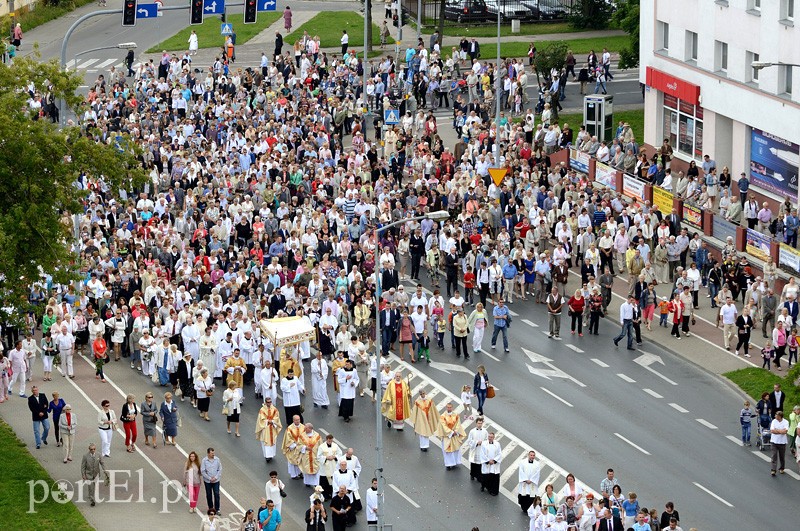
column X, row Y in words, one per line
column 467, row 11
column 552, row 10
column 511, row 10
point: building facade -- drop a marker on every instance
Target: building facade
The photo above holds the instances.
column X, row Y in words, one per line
column 702, row 92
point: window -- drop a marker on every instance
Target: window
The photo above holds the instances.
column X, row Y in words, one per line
column 785, row 80
column 720, row 56
column 662, row 36
column 754, row 7
column 787, row 10
column 691, row 46
column 683, row 125
column 752, row 73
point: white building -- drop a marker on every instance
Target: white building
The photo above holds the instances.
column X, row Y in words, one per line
column 704, row 95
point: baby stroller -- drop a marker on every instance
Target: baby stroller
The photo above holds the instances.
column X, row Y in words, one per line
column 763, row 439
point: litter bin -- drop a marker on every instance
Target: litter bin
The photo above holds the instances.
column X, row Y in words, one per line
column 514, row 25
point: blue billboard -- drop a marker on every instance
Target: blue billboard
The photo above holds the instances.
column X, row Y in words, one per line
column 773, row 163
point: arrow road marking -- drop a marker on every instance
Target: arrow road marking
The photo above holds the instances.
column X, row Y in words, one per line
column 552, row 372
column 699, row 486
column 555, row 396
column 647, row 359
column 450, row 367
column 645, row 452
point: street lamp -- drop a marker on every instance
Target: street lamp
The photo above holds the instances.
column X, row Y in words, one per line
column 438, row 215
column 759, row 65
column 498, row 91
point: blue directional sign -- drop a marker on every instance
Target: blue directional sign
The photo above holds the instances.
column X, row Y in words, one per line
column 213, row 7
column 391, row 117
column 267, row 5
column 226, row 29
column 146, row 11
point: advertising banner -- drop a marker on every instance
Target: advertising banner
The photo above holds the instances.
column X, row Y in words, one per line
column 722, row 229
column 605, row 175
column 633, row 187
column 789, row 258
column 693, row 216
column 758, row 244
column 773, row 163
column 578, row 160
column 663, row 200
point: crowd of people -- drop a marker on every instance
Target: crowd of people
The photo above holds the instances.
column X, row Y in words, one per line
column 265, row 200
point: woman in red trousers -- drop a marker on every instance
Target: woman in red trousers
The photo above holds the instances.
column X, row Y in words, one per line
column 129, row 412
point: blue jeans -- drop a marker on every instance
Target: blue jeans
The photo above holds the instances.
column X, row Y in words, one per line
column 37, row 426
column 713, row 289
column 598, row 85
column 497, row 330
column 481, row 394
column 627, row 328
column 746, row 432
column 212, row 491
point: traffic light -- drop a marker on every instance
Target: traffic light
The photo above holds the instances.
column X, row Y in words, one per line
column 197, row 12
column 250, row 11
column 129, row 13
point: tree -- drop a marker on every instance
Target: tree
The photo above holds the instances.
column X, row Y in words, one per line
column 627, row 18
column 552, row 56
column 39, row 166
column 590, row 14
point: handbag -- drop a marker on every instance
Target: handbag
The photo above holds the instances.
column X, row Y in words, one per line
column 283, row 493
column 490, row 391
column 226, row 410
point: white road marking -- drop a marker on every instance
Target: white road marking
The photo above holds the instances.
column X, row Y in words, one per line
column 530, row 323
column 734, row 440
column 495, row 358
column 511, row 470
column 450, row 367
column 626, row 378
column 507, row 449
column 600, row 363
column 762, row 456
column 106, row 63
column 404, row 495
column 652, row 393
column 86, row 64
column 699, row 486
column 556, row 397
column 645, row 452
column 678, row 408
column 337, row 441
column 576, row 349
column 547, row 333
column 513, row 313
column 793, row 474
column 706, row 423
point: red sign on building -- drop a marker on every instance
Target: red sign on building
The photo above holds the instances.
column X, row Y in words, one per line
column 673, row 86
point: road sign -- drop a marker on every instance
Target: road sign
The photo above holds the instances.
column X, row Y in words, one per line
column 391, row 117
column 267, row 5
column 226, row 29
column 147, row 11
column 213, row 7
column 498, row 174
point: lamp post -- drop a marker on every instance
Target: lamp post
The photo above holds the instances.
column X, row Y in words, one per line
column 439, row 215
column 498, row 92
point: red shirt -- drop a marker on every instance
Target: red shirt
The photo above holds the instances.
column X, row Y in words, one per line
column 469, row 280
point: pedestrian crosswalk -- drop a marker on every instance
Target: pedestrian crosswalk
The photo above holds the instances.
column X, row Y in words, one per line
column 94, row 64
column 514, row 449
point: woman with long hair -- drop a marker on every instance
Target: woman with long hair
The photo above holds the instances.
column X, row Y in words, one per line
column 191, row 479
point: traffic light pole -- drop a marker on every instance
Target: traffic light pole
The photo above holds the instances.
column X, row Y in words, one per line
column 62, row 104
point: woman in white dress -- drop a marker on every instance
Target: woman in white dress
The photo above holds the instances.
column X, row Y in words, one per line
column 535, row 514
column 572, row 489
column 588, row 514
column 273, row 488
column 193, row 43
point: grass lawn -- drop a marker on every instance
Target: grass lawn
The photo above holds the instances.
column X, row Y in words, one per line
column 755, row 381
column 328, row 26
column 208, row 32
column 635, row 118
column 19, row 467
column 490, row 30
column 40, row 15
column 578, row 46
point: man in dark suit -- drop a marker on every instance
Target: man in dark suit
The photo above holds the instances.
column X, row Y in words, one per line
column 416, row 247
column 37, row 403
column 611, row 523
column 474, row 50
column 389, row 278
column 389, row 321
column 674, row 223
column 624, row 220
column 277, row 302
column 793, row 308
column 776, row 399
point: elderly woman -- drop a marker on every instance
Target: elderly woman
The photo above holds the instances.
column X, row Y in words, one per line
column 169, row 416
column 149, row 412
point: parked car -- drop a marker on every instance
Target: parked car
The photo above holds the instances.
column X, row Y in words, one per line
column 552, row 10
column 508, row 10
column 533, row 10
column 467, row 11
